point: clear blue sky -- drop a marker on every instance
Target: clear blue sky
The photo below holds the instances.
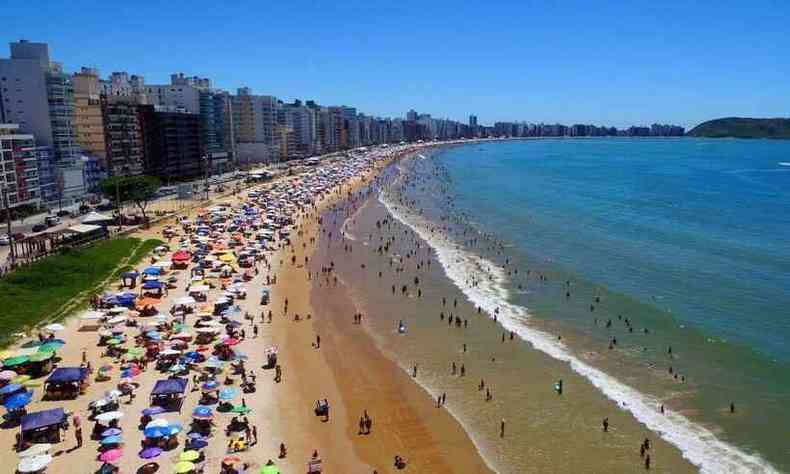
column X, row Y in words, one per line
column 603, row 62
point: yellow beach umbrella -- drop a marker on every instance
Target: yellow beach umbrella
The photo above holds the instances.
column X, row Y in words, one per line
column 189, row 456
column 183, row 467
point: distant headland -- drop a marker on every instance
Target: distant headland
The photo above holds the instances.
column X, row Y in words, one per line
column 738, row 127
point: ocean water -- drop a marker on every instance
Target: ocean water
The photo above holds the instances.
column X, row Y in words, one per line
column 686, row 239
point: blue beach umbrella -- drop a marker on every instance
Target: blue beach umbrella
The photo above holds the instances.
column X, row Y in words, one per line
column 17, row 401
column 156, row 432
column 111, row 432
column 228, row 393
column 10, row 388
column 202, row 412
column 153, row 411
column 115, row 439
column 210, row 385
column 197, row 444
column 193, row 355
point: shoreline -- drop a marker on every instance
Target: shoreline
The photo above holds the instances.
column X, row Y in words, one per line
column 697, row 443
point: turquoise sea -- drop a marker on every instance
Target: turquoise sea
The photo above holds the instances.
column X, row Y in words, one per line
column 686, row 239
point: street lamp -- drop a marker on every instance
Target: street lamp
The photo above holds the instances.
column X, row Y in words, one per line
column 7, row 208
column 205, row 174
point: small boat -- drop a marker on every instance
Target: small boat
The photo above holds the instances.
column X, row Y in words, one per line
column 401, row 328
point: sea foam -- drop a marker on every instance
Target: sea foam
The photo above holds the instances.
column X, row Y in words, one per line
column 697, row 444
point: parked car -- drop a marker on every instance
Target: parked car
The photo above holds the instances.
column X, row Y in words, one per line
column 39, row 227
column 4, row 240
column 52, row 220
column 19, row 236
column 62, row 213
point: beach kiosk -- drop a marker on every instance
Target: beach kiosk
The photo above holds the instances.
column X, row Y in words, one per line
column 153, row 287
column 130, row 277
column 66, row 383
column 169, row 394
column 42, row 427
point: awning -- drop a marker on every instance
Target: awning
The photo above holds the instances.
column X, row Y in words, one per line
column 170, row 387
column 152, row 285
column 42, row 419
column 67, row 374
column 95, row 217
column 82, row 228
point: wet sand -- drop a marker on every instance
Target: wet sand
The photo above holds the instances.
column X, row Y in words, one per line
column 544, row 432
column 353, row 375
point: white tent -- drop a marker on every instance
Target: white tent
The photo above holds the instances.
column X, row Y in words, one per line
column 95, row 218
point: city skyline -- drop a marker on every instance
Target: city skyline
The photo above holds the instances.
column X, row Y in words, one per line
column 518, row 62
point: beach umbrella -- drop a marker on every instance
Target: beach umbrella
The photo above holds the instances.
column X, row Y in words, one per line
column 231, row 460
column 173, row 430
column 158, row 423
column 112, row 455
column 34, row 463
column 270, row 469
column 20, row 379
column 35, row 450
column 153, row 411
column 41, row 356
column 32, row 343
column 10, row 388
column 26, row 351
column 197, row 444
column 131, row 372
column 7, row 375
column 115, row 439
column 111, row 432
column 183, row 467
column 14, row 361
column 114, row 341
column 202, row 412
column 17, row 401
column 228, row 393
column 51, row 346
column 190, row 456
column 157, row 432
column 109, row 416
column 231, row 341
column 150, row 453
column 241, row 409
column 55, row 327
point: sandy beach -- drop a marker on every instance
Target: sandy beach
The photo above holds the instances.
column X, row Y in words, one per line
column 347, row 370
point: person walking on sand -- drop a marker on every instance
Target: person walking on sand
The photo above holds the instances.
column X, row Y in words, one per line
column 647, row 462
column 77, row 429
column 317, row 342
column 605, row 425
column 502, row 428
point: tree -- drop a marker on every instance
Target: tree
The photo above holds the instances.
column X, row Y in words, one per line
column 139, row 190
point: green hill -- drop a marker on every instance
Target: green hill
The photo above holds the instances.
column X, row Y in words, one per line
column 737, row 127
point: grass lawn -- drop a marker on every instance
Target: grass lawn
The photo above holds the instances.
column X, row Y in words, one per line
column 36, row 293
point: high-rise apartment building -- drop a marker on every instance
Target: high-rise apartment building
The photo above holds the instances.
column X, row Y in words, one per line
column 171, row 144
column 123, row 135
column 88, row 122
column 36, row 94
column 19, row 180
